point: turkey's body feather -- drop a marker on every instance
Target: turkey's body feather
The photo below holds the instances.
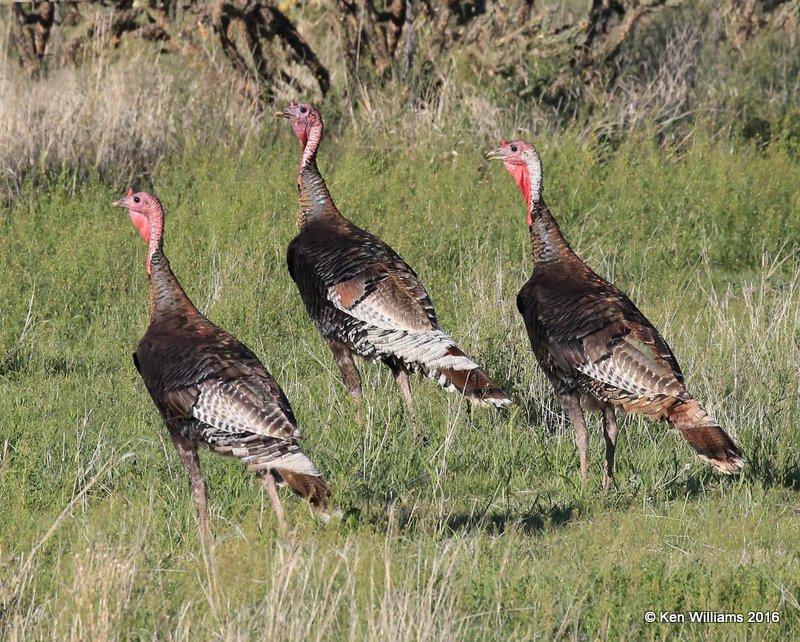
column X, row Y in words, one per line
column 592, row 341
column 358, row 290
column 587, row 335
column 360, row 293
column 211, row 389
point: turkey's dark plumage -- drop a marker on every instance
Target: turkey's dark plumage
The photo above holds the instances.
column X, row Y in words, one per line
column 362, row 297
column 211, row 389
column 594, row 344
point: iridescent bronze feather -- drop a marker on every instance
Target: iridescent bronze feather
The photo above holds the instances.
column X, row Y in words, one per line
column 594, row 344
column 362, row 297
column 210, row 389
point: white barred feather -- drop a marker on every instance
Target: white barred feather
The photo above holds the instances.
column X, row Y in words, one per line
column 426, row 349
column 295, row 462
column 235, row 421
column 240, row 406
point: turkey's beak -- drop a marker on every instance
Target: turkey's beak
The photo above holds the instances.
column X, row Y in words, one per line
column 123, row 202
column 282, row 114
column 495, row 154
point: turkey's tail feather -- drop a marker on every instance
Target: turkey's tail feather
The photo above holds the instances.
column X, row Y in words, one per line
column 439, row 358
column 704, row 435
column 295, row 470
column 310, row 487
column 465, row 377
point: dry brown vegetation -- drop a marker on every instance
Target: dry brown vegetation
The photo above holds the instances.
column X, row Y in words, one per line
column 264, row 42
column 115, row 86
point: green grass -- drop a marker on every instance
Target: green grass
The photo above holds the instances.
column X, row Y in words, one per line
column 484, row 532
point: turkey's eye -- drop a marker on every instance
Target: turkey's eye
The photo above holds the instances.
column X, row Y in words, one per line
column 513, row 148
column 135, row 199
column 303, row 110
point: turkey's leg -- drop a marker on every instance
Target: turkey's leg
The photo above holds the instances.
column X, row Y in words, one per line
column 572, row 405
column 343, row 357
column 610, row 434
column 268, row 482
column 187, row 452
column 400, row 375
column 403, row 382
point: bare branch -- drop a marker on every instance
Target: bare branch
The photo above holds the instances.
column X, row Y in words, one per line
column 30, row 34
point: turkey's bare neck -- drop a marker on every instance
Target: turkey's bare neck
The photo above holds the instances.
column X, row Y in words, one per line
column 314, row 198
column 167, row 298
column 547, row 242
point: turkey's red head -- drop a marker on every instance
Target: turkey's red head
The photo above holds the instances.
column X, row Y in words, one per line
column 147, row 215
column 307, row 124
column 522, row 160
column 304, row 119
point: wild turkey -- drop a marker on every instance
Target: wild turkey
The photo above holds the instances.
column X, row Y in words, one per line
column 593, row 343
column 362, row 297
column 211, row 389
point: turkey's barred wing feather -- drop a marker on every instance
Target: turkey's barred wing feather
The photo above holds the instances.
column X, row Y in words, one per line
column 386, row 299
column 250, row 423
column 628, row 356
column 243, row 417
column 243, row 405
column 358, row 274
column 597, row 331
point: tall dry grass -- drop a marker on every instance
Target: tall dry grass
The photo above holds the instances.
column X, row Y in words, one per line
column 123, row 111
column 117, row 117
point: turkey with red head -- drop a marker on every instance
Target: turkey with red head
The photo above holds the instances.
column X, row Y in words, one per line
column 362, row 297
column 594, row 344
column 210, row 388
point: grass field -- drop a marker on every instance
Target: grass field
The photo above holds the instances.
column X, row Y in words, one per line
column 482, row 533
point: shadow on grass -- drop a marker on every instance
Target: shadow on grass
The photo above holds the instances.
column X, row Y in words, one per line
column 12, row 363
column 409, row 519
column 764, row 472
column 690, row 486
column 791, row 478
column 498, row 522
column 773, row 474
